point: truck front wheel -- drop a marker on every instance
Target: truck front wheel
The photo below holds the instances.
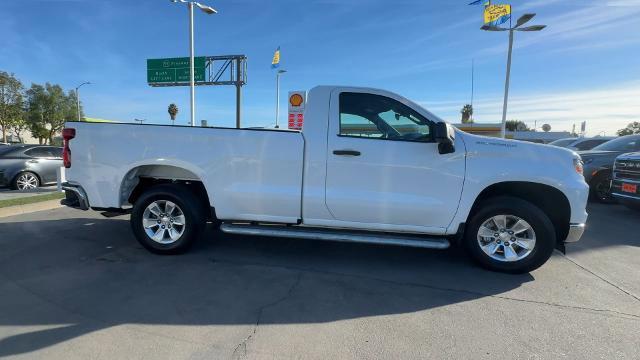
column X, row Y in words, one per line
column 510, row 235
column 166, row 219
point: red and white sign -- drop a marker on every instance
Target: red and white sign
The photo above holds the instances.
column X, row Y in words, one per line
column 297, row 101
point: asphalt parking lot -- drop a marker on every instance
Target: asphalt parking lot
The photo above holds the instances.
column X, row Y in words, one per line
column 76, row 285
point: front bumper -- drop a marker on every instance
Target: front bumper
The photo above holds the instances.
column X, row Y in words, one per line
column 75, row 196
column 575, row 233
column 617, row 190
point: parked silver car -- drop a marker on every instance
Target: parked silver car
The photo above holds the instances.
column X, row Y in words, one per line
column 24, row 167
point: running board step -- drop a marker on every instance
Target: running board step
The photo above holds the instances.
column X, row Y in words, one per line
column 335, row 235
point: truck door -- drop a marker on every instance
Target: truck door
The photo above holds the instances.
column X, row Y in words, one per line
column 383, row 165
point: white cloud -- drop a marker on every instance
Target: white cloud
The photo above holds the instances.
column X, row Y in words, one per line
column 605, row 109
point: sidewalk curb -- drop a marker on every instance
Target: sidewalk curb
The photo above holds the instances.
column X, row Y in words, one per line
column 29, row 208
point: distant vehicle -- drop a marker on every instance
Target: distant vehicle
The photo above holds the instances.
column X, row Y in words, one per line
column 25, row 167
column 563, row 142
column 625, row 186
column 598, row 164
column 369, row 166
column 582, row 143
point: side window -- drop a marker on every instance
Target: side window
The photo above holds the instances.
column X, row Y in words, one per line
column 588, row 144
column 56, row 152
column 38, row 152
column 375, row 116
column 355, row 125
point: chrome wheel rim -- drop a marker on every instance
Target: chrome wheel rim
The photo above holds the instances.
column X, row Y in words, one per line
column 163, row 221
column 506, row 238
column 27, row 182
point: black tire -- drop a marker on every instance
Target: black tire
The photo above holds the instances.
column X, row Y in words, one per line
column 505, row 205
column 15, row 185
column 600, row 189
column 191, row 207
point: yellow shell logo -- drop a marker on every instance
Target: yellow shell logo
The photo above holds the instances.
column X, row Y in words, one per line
column 296, row 100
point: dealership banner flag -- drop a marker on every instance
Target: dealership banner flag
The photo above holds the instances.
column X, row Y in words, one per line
column 497, row 14
column 276, row 59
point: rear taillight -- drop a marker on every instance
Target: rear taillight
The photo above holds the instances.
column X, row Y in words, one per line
column 67, row 135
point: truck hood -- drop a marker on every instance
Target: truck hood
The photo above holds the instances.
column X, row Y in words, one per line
column 527, row 152
column 494, row 160
column 630, row 156
column 593, row 153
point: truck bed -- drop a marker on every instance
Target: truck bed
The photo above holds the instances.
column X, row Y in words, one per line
column 249, row 174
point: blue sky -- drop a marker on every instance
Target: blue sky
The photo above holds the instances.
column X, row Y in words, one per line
column 584, row 66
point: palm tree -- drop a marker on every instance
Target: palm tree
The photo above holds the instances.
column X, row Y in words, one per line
column 173, row 111
column 467, row 112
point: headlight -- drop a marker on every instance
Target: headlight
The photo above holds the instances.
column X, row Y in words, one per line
column 577, row 164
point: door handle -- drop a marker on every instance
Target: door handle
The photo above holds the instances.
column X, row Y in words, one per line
column 346, row 152
column 33, row 161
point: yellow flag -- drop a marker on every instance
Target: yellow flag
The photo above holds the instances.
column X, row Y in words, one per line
column 497, row 13
column 276, row 59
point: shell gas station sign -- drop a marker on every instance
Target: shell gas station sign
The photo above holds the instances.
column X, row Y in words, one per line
column 297, row 101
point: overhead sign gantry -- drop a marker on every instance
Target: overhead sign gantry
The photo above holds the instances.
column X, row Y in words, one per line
column 208, row 70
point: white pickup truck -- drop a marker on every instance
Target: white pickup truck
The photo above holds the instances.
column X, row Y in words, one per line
column 368, row 166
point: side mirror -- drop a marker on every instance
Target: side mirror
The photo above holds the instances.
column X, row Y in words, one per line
column 445, row 136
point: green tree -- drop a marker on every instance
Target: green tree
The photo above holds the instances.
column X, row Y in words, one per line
column 632, row 128
column 11, row 103
column 516, row 125
column 173, row 111
column 48, row 108
column 467, row 113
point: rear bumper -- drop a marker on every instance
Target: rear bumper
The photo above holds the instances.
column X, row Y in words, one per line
column 75, row 196
column 575, row 233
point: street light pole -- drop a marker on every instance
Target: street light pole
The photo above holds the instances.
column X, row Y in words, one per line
column 78, row 98
column 503, row 128
column 280, row 72
column 521, row 21
column 192, row 84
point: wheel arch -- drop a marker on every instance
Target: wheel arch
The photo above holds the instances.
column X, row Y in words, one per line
column 142, row 177
column 552, row 201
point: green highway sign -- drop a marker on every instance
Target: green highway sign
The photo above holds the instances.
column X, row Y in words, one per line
column 174, row 70
column 174, row 75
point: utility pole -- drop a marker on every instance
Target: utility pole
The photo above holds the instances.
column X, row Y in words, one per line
column 280, row 72
column 78, row 98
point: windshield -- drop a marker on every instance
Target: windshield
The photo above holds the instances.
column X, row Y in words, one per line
column 562, row 142
column 625, row 143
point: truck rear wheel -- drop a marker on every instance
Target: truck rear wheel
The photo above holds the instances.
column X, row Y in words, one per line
column 167, row 219
column 510, row 235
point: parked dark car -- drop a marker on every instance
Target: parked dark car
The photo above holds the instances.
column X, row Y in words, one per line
column 24, row 167
column 581, row 143
column 625, row 186
column 598, row 164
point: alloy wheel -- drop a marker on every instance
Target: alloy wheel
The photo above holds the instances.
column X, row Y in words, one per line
column 506, row 238
column 27, row 182
column 163, row 221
